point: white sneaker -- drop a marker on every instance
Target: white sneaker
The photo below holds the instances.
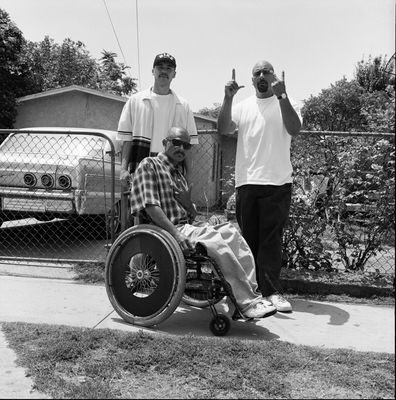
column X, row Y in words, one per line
column 280, row 303
column 260, row 309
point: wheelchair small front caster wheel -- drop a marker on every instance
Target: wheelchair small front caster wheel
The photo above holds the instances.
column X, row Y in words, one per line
column 220, row 325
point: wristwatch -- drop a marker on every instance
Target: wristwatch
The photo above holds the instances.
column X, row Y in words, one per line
column 282, row 96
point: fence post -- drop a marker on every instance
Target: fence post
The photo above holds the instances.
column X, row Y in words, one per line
column 124, row 207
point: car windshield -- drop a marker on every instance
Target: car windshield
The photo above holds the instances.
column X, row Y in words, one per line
column 50, row 144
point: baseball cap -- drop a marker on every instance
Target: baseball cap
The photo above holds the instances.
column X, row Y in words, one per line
column 164, row 57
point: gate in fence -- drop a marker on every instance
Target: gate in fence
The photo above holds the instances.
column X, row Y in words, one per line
column 59, row 199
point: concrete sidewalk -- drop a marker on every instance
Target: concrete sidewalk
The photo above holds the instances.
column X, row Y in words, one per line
column 65, row 302
column 329, row 325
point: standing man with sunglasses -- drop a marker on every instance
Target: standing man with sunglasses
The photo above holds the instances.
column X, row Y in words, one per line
column 148, row 115
column 161, row 196
column 265, row 123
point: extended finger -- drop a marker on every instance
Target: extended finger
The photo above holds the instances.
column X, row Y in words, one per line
column 283, row 76
column 233, row 74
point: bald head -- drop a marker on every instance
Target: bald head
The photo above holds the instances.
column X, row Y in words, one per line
column 178, row 133
column 262, row 77
column 176, row 143
column 262, row 64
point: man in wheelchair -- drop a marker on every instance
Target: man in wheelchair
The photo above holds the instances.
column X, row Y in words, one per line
column 161, row 195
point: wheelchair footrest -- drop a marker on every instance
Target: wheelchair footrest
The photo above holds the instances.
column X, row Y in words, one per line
column 237, row 315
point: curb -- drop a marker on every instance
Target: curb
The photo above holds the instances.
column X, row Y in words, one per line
column 297, row 286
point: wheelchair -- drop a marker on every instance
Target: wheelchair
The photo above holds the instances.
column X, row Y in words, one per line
column 147, row 276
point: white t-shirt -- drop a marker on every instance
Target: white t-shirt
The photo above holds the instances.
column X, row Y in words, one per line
column 136, row 122
column 263, row 147
column 162, row 105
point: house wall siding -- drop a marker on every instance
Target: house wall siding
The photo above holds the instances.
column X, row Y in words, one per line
column 73, row 109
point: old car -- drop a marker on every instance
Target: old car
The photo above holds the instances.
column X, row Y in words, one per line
column 48, row 173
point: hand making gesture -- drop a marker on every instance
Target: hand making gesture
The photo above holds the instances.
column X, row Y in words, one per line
column 278, row 85
column 232, row 87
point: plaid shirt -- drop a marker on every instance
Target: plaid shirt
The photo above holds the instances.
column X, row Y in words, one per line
column 153, row 183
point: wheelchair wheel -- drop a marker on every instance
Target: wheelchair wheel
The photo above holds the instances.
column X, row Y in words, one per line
column 198, row 288
column 145, row 275
column 220, row 325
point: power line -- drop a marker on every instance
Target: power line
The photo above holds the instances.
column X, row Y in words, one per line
column 115, row 34
column 137, row 39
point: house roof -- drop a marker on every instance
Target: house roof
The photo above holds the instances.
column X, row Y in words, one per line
column 72, row 88
column 94, row 92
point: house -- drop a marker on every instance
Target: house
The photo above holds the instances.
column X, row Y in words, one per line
column 81, row 107
column 71, row 106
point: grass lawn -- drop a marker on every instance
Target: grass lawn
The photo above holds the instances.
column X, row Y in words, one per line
column 78, row 363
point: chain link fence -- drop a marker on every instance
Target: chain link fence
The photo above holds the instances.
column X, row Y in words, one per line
column 343, row 209
column 59, row 196
column 61, row 200
column 342, row 214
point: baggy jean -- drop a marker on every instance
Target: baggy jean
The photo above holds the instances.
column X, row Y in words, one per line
column 228, row 248
column 262, row 212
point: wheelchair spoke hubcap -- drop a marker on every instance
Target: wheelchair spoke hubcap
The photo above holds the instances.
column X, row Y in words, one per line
column 143, row 275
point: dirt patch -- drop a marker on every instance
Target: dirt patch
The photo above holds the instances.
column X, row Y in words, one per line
column 355, row 284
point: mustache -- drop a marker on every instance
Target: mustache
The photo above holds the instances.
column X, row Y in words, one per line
column 263, row 82
column 262, row 85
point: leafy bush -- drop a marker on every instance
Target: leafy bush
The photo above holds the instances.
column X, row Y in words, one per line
column 355, row 206
column 343, row 200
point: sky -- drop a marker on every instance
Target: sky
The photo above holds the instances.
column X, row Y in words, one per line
column 315, row 42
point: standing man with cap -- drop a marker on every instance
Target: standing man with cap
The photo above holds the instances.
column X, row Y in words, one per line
column 265, row 122
column 147, row 116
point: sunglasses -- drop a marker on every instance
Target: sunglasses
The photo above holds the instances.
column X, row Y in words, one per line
column 178, row 143
column 265, row 71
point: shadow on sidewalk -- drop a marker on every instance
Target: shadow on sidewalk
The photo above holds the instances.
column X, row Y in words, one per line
column 337, row 315
column 188, row 320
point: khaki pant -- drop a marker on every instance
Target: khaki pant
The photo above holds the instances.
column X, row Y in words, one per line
column 229, row 249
